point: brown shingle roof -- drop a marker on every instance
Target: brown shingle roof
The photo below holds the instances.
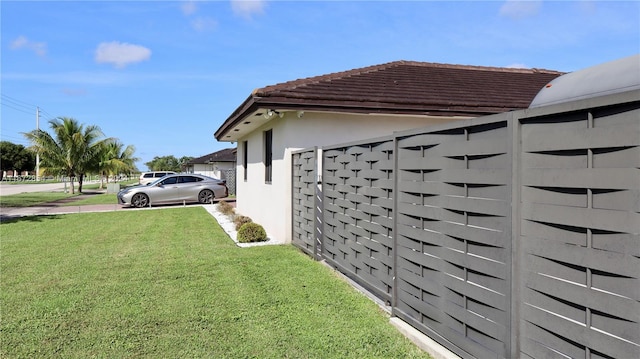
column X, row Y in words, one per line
column 403, row 87
column 226, row 155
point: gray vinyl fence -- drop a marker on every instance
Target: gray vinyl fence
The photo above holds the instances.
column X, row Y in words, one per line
column 230, row 177
column 306, row 199
column 511, row 235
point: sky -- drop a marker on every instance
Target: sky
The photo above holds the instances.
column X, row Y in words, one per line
column 164, row 75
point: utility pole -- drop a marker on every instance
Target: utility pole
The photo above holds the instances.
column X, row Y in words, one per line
column 37, row 155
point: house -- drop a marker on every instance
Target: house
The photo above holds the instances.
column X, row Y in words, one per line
column 220, row 164
column 352, row 105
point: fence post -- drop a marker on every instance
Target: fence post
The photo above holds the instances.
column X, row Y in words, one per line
column 513, row 342
column 317, row 208
column 394, row 227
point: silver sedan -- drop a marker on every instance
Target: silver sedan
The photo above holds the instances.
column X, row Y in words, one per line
column 175, row 188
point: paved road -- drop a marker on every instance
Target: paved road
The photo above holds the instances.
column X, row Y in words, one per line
column 8, row 189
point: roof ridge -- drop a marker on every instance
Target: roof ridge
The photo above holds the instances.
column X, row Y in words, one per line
column 330, row 76
column 483, row 68
column 226, row 154
column 374, row 68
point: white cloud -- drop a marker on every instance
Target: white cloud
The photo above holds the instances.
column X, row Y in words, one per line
column 204, row 23
column 517, row 66
column 121, row 54
column 189, row 8
column 40, row 48
column 21, row 41
column 517, row 9
column 247, row 8
column 200, row 23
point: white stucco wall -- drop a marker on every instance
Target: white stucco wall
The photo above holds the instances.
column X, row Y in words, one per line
column 216, row 169
column 270, row 204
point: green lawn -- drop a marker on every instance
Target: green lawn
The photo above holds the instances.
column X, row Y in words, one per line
column 104, row 198
column 38, row 198
column 32, row 198
column 169, row 283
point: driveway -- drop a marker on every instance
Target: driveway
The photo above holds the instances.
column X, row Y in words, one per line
column 57, row 207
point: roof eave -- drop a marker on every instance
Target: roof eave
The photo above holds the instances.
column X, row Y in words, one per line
column 245, row 108
column 254, row 103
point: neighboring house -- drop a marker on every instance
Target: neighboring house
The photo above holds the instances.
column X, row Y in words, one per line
column 353, row 105
column 215, row 164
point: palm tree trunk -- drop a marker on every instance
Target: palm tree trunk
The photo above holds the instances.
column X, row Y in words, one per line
column 73, row 190
column 80, row 179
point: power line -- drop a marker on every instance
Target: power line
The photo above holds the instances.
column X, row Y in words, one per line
column 17, row 109
column 20, row 106
column 47, row 113
column 16, row 102
column 13, row 99
column 23, row 106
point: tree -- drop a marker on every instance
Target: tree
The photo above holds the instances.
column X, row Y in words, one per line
column 164, row 163
column 70, row 151
column 168, row 163
column 114, row 159
column 183, row 162
column 15, row 157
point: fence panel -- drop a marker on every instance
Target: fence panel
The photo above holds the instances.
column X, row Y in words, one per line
column 230, row 177
column 357, row 185
column 512, row 235
column 304, row 187
column 580, row 233
column 453, row 234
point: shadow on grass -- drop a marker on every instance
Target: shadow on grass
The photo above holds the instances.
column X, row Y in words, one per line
column 68, row 203
column 180, row 204
column 9, row 219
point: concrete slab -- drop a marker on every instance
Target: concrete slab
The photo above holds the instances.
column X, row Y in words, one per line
column 425, row 343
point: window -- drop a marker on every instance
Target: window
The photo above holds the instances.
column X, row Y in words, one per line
column 170, row 180
column 268, row 156
column 188, row 179
column 245, row 156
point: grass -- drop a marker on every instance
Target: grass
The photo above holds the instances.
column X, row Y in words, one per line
column 38, row 198
column 75, row 182
column 32, row 199
column 104, row 198
column 170, row 283
column 9, row 182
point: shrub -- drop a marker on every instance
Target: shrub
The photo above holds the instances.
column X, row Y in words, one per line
column 225, row 208
column 240, row 220
column 251, row 232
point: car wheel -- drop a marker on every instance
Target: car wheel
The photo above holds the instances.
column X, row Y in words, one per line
column 205, row 196
column 140, row 200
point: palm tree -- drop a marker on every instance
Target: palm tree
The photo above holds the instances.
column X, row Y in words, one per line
column 115, row 158
column 69, row 151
